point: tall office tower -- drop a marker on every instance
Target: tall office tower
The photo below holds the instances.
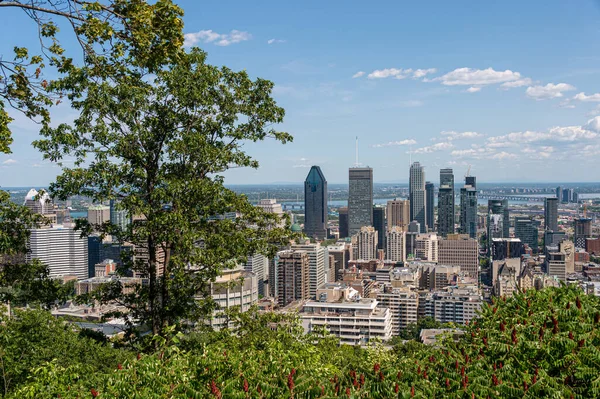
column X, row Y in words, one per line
column 526, row 230
column 582, row 229
column 396, row 245
column 398, row 214
column 566, row 195
column 575, row 197
column 556, row 265
column 61, row 249
column 360, row 199
column 271, row 206
column 551, row 213
column 42, row 205
column 366, row 243
column 559, row 192
column 315, row 204
column 118, row 217
column 468, row 207
column 98, row 214
column 379, row 225
column 416, row 187
column 460, row 250
column 343, row 221
column 318, row 264
column 498, row 218
column 430, row 207
column 293, row 278
column 446, row 203
column 341, row 256
column 259, row 265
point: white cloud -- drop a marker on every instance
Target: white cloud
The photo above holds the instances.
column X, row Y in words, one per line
column 452, row 135
column 593, row 125
column 503, row 155
column 389, row 72
column 275, row 41
column 473, row 89
column 395, row 143
column 517, row 83
column 445, row 145
column 471, row 77
column 301, row 166
column 420, row 73
column 591, row 98
column 411, row 103
column 549, row 91
column 468, row 153
column 9, row 162
column 219, row 39
column 594, row 111
column 358, row 74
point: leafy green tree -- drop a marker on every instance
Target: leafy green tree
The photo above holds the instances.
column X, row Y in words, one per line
column 98, row 26
column 156, row 130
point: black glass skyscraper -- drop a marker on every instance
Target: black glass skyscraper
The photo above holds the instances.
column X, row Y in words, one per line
column 360, row 199
column 379, row 225
column 315, row 204
column 468, row 207
column 430, row 208
column 446, row 203
column 418, row 203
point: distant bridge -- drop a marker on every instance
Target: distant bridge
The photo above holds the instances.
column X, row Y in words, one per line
column 516, row 198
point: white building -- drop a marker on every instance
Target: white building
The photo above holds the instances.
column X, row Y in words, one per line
column 61, row 249
column 259, row 265
column 456, row 305
column 271, row 206
column 396, row 244
column 402, row 303
column 98, row 214
column 234, row 287
column 318, row 261
column 354, row 320
column 426, row 247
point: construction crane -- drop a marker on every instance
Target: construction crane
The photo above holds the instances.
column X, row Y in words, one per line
column 468, row 172
column 585, row 210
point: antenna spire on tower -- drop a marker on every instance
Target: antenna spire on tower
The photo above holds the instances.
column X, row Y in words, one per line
column 356, row 163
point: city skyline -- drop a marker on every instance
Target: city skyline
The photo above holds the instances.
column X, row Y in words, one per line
column 507, row 107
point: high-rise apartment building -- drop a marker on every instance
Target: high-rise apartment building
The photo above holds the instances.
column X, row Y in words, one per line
column 315, row 204
column 430, row 206
column 418, row 204
column 527, row 232
column 396, row 245
column 360, row 199
column 343, row 221
column 98, row 214
column 234, row 287
column 271, row 205
column 341, row 256
column 559, row 193
column 318, row 264
column 468, row 207
column 379, row 225
column 398, row 214
column 293, row 276
column 61, row 249
column 446, row 203
column 460, row 250
column 403, row 303
column 366, row 243
column 454, row 305
column 426, row 247
column 551, row 213
column 259, row 265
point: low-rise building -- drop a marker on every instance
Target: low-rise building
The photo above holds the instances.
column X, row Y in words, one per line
column 456, row 305
column 353, row 319
column 403, row 303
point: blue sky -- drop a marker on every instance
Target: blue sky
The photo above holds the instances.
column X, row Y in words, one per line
column 511, row 88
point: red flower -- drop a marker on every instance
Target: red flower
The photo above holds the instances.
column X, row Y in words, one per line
column 581, row 343
column 139, row 356
column 214, row 389
column 396, row 388
column 94, row 393
column 362, row 380
column 290, row 382
column 381, row 377
column 447, row 383
column 412, row 391
column 376, row 367
column 245, row 386
column 119, row 366
column 494, row 379
column 525, row 386
column 570, row 335
column 399, row 375
column 578, row 303
column 348, row 392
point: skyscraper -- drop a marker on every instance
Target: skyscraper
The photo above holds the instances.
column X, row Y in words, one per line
column 379, row 225
column 366, row 242
column 498, row 219
column 551, row 213
column 582, row 229
column 293, row 277
column 396, row 245
column 446, row 203
column 468, row 207
column 398, row 214
column 60, row 248
column 315, row 204
column 527, row 232
column 318, row 263
column 360, row 199
column 343, row 221
column 430, row 207
column 416, row 187
column 559, row 192
column 98, row 214
column 118, row 217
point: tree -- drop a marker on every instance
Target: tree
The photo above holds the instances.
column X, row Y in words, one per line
column 99, row 27
column 155, row 132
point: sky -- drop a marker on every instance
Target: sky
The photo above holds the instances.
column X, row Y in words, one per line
column 510, row 89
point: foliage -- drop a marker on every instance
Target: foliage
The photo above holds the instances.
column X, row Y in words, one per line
column 538, row 344
column 100, row 27
column 413, row 330
column 32, row 339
